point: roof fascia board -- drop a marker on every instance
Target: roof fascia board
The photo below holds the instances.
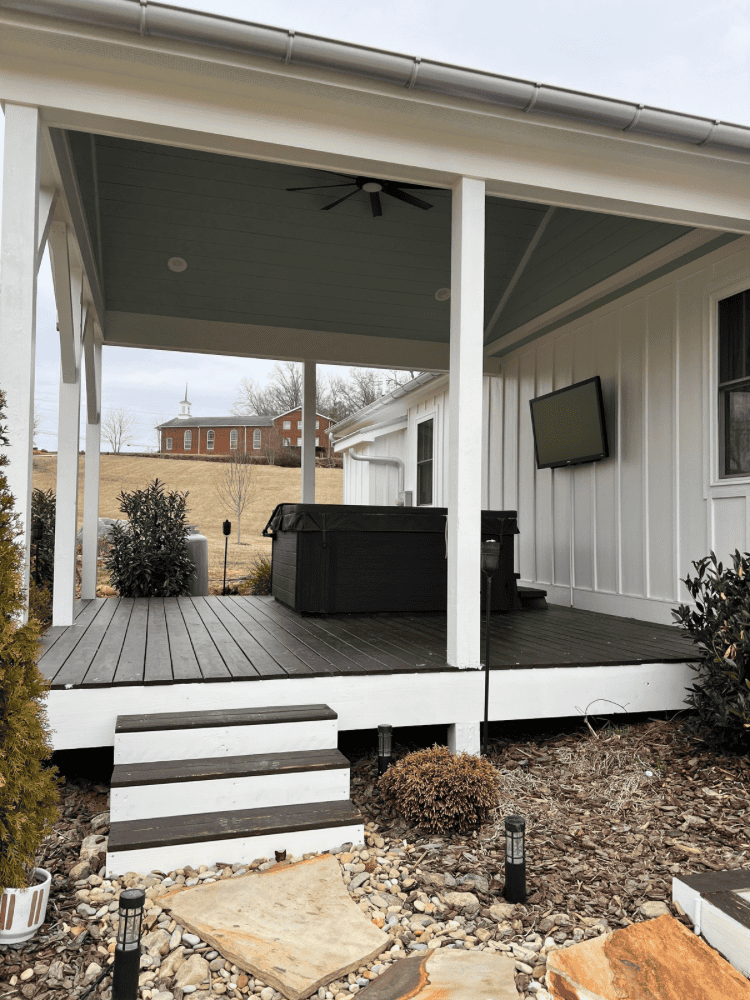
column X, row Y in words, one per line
column 370, row 435
column 291, row 48
column 619, row 284
column 284, row 118
column 421, row 387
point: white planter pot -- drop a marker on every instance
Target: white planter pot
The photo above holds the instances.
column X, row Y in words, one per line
column 22, row 911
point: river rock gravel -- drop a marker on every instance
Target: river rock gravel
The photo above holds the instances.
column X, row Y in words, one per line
column 612, row 814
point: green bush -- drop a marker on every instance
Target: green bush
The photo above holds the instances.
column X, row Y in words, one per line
column 43, row 508
column 720, row 627
column 440, row 792
column 28, row 790
column 258, row 580
column 149, row 556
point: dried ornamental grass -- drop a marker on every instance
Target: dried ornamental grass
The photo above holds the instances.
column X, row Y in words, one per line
column 442, row 792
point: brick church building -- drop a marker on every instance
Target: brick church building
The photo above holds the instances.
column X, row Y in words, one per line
column 255, row 435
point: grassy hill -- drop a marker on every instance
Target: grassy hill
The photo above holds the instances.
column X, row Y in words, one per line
column 272, row 485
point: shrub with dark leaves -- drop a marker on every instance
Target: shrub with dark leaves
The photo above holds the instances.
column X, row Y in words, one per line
column 43, row 509
column 258, row 580
column 149, row 556
column 441, row 792
column 720, row 627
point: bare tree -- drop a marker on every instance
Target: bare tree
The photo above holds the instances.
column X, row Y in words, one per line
column 361, row 387
column 274, row 445
column 37, row 426
column 234, row 483
column 117, row 429
column 394, row 378
column 283, row 391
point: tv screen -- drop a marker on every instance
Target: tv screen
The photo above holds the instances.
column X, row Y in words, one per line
column 569, row 425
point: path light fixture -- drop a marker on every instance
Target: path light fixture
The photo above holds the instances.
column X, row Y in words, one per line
column 37, row 534
column 515, row 859
column 227, row 529
column 490, row 565
column 128, row 946
column 385, row 748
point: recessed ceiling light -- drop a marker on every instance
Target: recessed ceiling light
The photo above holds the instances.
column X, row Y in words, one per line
column 442, row 294
column 176, row 263
column 372, row 187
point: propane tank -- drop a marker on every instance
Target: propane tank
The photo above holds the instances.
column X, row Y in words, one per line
column 198, row 551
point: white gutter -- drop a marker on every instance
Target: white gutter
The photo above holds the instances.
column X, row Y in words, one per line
column 381, row 401
column 370, row 429
column 159, row 20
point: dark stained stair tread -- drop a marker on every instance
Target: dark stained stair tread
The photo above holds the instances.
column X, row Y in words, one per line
column 163, row 772
column 140, row 834
column 224, row 717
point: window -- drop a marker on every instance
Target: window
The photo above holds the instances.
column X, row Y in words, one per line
column 317, row 442
column 424, row 462
column 210, row 441
column 299, row 442
column 317, row 425
column 233, row 440
column 286, row 442
column 299, row 425
column 256, row 439
column 169, row 444
column 287, row 425
column 187, row 444
column 734, row 384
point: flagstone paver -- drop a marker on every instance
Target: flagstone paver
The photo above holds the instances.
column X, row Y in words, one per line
column 293, row 926
column 446, row 975
column 654, row 960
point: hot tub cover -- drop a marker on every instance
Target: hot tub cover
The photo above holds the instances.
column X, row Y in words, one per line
column 354, row 517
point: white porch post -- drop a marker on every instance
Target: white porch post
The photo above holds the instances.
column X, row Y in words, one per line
column 465, row 439
column 309, row 406
column 93, row 358
column 68, row 299
column 19, row 254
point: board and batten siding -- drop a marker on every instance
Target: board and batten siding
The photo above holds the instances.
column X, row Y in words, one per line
column 615, row 536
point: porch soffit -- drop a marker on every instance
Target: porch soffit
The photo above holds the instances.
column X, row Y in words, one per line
column 260, row 256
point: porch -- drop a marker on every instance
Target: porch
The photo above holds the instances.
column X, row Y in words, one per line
column 125, row 656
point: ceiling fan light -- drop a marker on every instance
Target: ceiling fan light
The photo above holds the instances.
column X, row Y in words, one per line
column 443, row 294
column 372, row 187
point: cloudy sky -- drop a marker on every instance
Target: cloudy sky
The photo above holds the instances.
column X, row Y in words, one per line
column 685, row 55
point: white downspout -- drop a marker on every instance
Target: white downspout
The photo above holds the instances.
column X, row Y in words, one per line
column 380, row 461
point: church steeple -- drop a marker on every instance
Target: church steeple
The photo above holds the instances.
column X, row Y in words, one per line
column 185, row 405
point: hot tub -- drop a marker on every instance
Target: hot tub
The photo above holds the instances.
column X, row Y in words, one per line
column 330, row 558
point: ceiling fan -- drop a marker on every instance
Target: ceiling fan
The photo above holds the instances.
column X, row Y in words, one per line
column 374, row 188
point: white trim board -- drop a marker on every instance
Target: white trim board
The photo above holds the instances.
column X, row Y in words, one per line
column 85, row 717
column 621, row 605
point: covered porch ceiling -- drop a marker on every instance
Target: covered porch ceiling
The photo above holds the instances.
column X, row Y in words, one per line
column 269, row 273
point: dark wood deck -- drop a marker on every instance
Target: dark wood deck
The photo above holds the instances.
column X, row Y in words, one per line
column 118, row 641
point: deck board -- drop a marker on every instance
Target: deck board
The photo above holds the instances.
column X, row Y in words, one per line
column 118, row 641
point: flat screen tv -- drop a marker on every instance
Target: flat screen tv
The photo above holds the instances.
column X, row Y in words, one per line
column 569, row 426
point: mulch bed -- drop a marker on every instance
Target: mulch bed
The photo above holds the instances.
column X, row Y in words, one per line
column 612, row 814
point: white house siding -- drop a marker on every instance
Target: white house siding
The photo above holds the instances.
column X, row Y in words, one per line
column 639, row 518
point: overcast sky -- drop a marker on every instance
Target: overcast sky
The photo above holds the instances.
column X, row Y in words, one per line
column 685, row 55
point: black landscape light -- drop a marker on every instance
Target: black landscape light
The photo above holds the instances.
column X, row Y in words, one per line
column 37, row 534
column 128, row 948
column 515, row 860
column 385, row 748
column 490, row 565
column 227, row 529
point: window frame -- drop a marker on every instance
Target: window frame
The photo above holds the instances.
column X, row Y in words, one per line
column 210, row 440
column 233, row 437
column 286, row 443
column 256, row 439
column 168, row 444
column 716, row 484
column 187, row 440
column 724, row 389
column 286, row 425
column 427, row 418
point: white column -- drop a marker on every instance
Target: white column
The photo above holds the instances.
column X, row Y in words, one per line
column 465, row 422
column 464, row 737
column 68, row 434
column 18, row 270
column 93, row 355
column 309, row 402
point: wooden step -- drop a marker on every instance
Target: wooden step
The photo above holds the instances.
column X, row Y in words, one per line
column 224, row 733
column 171, row 788
column 531, row 597
column 235, row 837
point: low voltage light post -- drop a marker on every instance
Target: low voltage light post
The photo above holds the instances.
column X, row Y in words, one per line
column 515, row 859
column 227, row 529
column 490, row 566
column 128, row 947
column 385, row 748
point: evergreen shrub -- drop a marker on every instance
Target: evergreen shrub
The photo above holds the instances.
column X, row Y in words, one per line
column 258, row 580
column 149, row 556
column 43, row 507
column 440, row 792
column 720, row 626
column 28, row 789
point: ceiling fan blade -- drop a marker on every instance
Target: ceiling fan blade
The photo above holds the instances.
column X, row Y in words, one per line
column 375, row 204
column 335, row 203
column 395, row 192
column 319, row 187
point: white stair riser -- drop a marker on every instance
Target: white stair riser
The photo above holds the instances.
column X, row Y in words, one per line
column 239, row 851
column 228, row 794
column 225, row 741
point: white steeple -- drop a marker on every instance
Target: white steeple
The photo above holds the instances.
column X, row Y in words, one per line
column 185, row 405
